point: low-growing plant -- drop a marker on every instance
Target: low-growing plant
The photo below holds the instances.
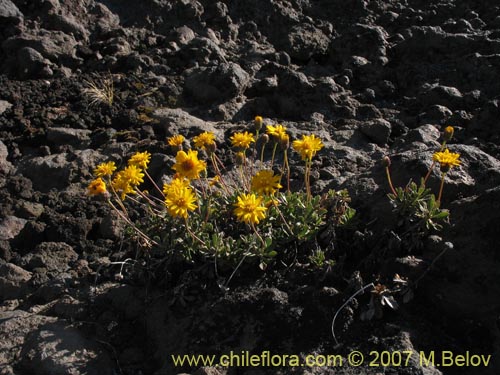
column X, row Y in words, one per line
column 242, row 215
column 417, row 208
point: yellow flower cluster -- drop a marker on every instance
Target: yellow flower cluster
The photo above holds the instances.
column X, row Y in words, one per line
column 181, row 198
column 125, row 181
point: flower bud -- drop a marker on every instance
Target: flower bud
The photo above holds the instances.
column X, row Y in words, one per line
column 240, row 158
column 258, row 121
column 448, row 133
column 284, row 142
column 386, row 161
column 264, row 138
column 210, row 148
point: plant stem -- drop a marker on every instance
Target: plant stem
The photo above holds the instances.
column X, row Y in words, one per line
column 274, row 153
column 389, row 179
column 429, row 172
column 441, row 188
column 194, row 236
column 258, row 235
column 262, row 153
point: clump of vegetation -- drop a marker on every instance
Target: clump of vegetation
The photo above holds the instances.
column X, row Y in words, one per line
column 100, row 91
column 418, row 209
column 203, row 215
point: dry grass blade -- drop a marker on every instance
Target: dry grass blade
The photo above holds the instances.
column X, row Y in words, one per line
column 99, row 91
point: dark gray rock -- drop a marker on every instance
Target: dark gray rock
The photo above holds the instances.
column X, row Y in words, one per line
column 47, row 172
column 78, row 138
column 10, row 227
column 14, row 281
column 446, row 96
column 305, row 41
column 14, row 328
column 56, row 348
column 377, row 130
column 4, row 106
column 183, row 35
column 31, row 64
column 216, row 84
column 176, row 121
column 5, row 165
column 54, row 256
column 10, row 12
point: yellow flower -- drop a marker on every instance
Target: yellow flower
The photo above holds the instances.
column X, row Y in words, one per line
column 176, row 140
column 105, row 169
column 180, row 201
column 249, row 209
column 265, row 182
column 242, row 140
column 126, row 180
column 278, row 132
column 176, row 183
column 204, row 139
column 447, row 159
column 307, row 146
column 187, row 164
column 96, row 187
column 140, row 160
column 133, row 175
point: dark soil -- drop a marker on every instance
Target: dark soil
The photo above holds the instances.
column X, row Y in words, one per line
column 371, row 78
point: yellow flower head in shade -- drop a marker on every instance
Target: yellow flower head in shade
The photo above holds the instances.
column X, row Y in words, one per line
column 187, row 164
column 266, row 183
column 176, row 140
column 278, row 132
column 242, row 140
column 249, row 209
column 105, row 169
column 307, row 146
column 176, row 183
column 448, row 133
column 140, row 159
column 447, row 159
column 96, row 187
column 204, row 139
column 179, row 201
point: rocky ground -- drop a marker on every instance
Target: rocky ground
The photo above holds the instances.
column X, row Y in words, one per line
column 371, row 78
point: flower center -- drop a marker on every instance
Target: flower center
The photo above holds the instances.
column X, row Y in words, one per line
column 188, row 164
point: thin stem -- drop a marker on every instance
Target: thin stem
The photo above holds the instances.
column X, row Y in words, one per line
column 429, row 172
column 258, row 235
column 371, row 285
column 154, row 183
column 441, row 188
column 307, row 179
column 127, row 220
column 262, row 153
column 287, row 167
column 389, row 179
column 194, row 236
column 282, row 217
column 274, row 153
